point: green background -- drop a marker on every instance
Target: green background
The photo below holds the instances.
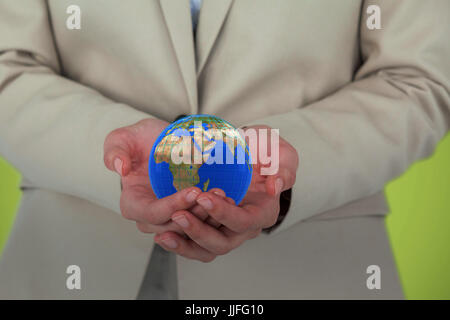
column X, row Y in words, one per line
column 418, row 225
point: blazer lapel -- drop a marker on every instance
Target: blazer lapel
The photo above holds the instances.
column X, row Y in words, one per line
column 211, row 19
column 177, row 16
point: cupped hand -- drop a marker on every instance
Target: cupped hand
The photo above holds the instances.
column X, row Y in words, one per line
column 126, row 151
column 258, row 210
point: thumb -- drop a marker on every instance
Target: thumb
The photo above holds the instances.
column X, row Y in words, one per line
column 117, row 153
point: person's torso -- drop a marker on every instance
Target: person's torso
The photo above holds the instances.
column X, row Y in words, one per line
column 254, row 58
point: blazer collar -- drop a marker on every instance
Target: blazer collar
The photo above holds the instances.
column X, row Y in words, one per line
column 212, row 17
column 177, row 15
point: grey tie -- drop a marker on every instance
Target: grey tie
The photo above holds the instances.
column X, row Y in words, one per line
column 160, row 279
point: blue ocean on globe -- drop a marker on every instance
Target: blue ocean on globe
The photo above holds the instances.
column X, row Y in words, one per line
column 212, row 138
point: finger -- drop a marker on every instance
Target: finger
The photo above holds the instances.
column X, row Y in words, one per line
column 138, row 205
column 205, row 235
column 210, row 220
column 238, row 219
column 248, row 235
column 118, row 151
column 218, row 191
column 213, row 222
column 184, row 247
column 200, row 212
column 159, row 228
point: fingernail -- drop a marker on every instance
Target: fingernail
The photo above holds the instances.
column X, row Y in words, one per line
column 220, row 194
column 192, row 195
column 278, row 185
column 205, row 203
column 170, row 243
column 181, row 221
column 118, row 165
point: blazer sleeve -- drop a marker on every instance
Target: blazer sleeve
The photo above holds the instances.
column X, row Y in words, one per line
column 53, row 129
column 352, row 142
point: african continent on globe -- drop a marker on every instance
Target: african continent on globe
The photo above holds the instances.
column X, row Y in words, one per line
column 203, row 151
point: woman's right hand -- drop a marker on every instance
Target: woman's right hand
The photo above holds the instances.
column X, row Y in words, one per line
column 126, row 151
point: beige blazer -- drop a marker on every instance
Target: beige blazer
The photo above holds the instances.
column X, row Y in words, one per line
column 359, row 105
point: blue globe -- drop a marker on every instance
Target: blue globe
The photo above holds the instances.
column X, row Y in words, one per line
column 203, row 151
